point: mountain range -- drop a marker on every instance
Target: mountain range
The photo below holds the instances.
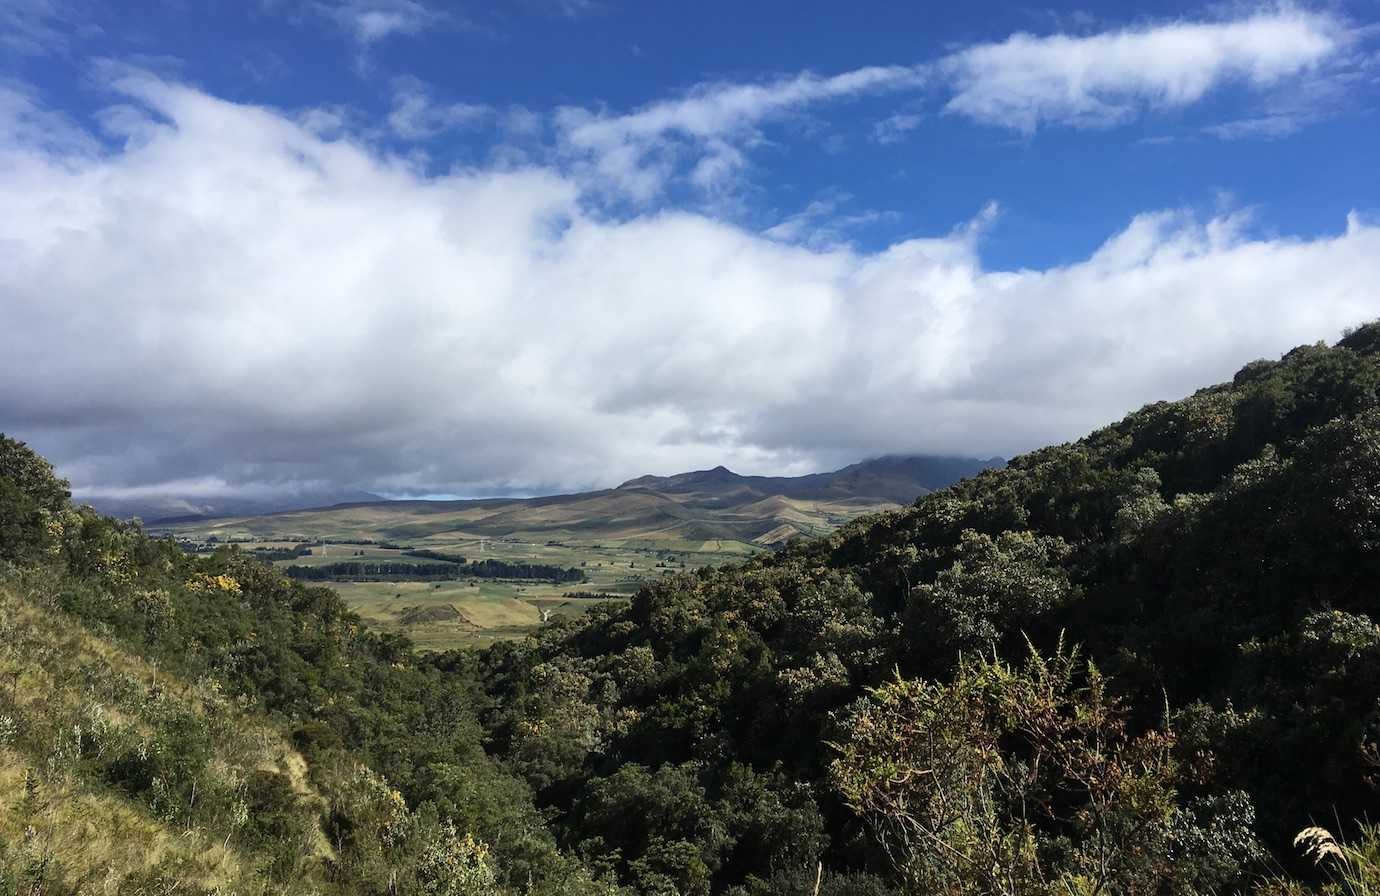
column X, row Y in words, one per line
column 686, row 511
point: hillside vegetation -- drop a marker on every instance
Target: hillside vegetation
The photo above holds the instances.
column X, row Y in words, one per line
column 1139, row 663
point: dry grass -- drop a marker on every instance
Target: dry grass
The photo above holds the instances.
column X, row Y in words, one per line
column 1353, row 866
column 94, row 840
column 66, row 695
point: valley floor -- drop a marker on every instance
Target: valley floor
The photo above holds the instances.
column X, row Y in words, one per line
column 468, row 611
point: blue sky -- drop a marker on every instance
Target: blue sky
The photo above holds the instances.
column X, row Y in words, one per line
column 541, row 55
column 599, row 239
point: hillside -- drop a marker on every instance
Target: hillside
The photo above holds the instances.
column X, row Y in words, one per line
column 118, row 774
column 911, row 695
column 171, row 724
column 1136, row 663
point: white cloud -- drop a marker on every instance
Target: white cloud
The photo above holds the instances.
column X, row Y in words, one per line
column 1267, row 127
column 232, row 297
column 793, row 227
column 822, row 224
column 25, row 121
column 373, row 20
column 33, row 27
column 519, row 121
column 576, row 9
column 417, row 116
column 636, row 151
column 1305, row 101
column 1296, row 62
column 1101, row 79
column 894, row 128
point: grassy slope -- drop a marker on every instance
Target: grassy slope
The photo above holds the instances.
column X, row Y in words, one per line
column 71, row 702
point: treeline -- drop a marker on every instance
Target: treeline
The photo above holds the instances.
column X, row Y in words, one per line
column 501, row 569
column 363, row 542
column 376, row 570
column 372, row 570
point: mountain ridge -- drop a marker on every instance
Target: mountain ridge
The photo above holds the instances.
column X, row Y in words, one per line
column 684, row 509
column 927, row 472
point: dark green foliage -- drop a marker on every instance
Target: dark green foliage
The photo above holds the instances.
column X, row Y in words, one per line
column 1218, row 553
column 277, row 822
column 270, row 555
column 364, row 570
column 371, row 570
column 296, row 653
column 31, row 498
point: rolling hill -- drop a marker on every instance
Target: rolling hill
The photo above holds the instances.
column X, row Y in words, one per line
column 697, row 511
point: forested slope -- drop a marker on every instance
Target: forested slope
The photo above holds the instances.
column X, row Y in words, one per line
column 1137, row 663
column 1216, row 557
column 179, row 724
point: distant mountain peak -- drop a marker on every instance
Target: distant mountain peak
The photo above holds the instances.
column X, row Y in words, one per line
column 897, row 478
column 695, row 477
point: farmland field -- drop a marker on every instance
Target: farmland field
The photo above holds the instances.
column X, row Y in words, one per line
column 439, row 615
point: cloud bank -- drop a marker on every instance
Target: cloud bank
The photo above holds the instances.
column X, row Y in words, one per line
column 226, row 296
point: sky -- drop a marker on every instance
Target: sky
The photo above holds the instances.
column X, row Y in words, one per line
column 414, row 248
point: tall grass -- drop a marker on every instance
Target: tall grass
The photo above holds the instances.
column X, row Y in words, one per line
column 1353, row 866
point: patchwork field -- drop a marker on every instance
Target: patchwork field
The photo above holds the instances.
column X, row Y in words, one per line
column 442, row 614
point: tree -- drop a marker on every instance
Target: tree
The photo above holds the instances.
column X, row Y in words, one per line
column 31, row 499
column 1015, row 781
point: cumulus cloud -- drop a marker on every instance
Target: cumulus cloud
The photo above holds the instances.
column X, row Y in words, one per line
column 1026, row 81
column 230, row 297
